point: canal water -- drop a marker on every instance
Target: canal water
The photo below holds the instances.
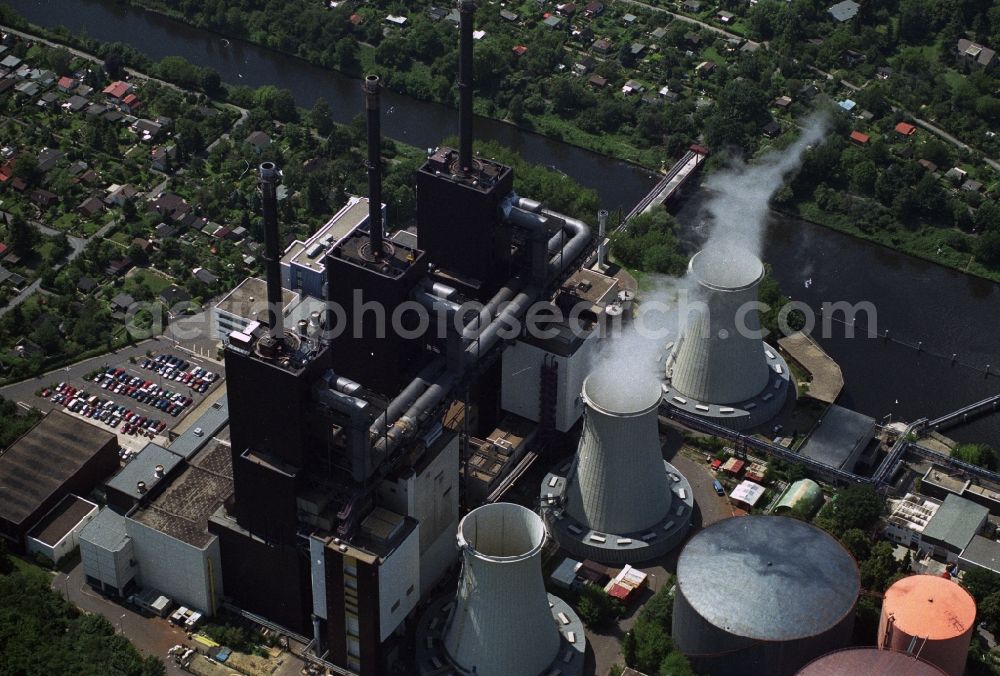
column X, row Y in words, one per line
column 930, row 312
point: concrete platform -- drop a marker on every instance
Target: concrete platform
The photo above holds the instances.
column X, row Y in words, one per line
column 827, row 379
column 616, row 548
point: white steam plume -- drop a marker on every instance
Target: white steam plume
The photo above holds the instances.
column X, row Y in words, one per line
column 739, row 206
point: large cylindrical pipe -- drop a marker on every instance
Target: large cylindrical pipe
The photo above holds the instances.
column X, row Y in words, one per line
column 602, row 247
column 269, row 177
column 501, row 624
column 373, row 109
column 466, row 9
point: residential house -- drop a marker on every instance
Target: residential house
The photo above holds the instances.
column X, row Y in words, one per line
column 975, row 55
column 45, row 78
column 90, row 207
column 725, row 17
column 782, row 102
column 843, row 11
column 76, row 168
column 10, row 62
column 397, row 21
column 258, row 140
column 853, row 57
column 860, row 138
column 928, row 165
column 118, row 194
column 28, row 88
column 597, row 81
column 905, row 129
column 85, row 284
column 668, row 94
column 164, row 230
column 883, row 72
column 129, row 103
column 519, row 50
column 84, row 90
column 67, row 84
column 205, row 276
column 601, row 46
column 552, row 21
column 566, row 9
column 637, row 48
column 847, row 105
column 972, row 185
column 749, row 47
column 584, row 65
column 173, row 294
column 691, row 6
column 956, row 174
column 632, row 87
column 146, row 130
column 629, row 19
column 162, row 157
column 144, row 245
column 89, row 178
column 435, row 14
column 119, row 267
column 47, row 100
column 593, row 9
column 658, row 33
column 121, row 303
column 43, row 199
column 170, row 206
column 692, row 38
column 508, row 15
column 47, row 158
column 771, row 129
column 75, row 104
column 112, row 116
column 7, row 83
column 705, row 68
column 117, row 90
column 582, row 34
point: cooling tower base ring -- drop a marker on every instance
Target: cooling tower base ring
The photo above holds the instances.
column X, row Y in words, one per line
column 432, row 657
column 616, row 548
column 741, row 415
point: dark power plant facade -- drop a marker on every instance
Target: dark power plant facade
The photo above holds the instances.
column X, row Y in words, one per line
column 346, row 467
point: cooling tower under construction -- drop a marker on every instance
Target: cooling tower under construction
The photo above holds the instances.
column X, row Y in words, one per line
column 762, row 595
column 501, row 622
column 869, row 662
column 930, row 617
column 720, row 368
column 618, row 501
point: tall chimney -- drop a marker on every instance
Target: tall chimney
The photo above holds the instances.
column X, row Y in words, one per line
column 371, row 87
column 466, row 9
column 269, row 179
column 602, row 245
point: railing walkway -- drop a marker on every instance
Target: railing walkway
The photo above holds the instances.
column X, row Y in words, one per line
column 965, row 413
column 668, row 185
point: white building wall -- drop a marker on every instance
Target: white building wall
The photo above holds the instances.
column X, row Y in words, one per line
column 113, row 568
column 399, row 584
column 521, row 386
column 66, row 545
column 431, row 498
column 188, row 575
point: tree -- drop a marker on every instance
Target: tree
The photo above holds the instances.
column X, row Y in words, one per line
column 856, row 506
column 47, row 336
column 981, row 455
column 863, row 176
column 857, row 543
column 596, row 607
column 981, row 583
column 22, row 235
column 320, row 117
column 989, row 610
column 879, row 568
column 740, row 112
column 988, row 249
column 26, row 167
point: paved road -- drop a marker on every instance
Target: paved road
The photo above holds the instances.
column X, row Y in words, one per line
column 687, row 19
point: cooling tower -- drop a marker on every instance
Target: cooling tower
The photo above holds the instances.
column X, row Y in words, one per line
column 501, row 624
column 762, row 595
column 618, row 502
column 720, row 368
column 930, row 617
column 869, row 662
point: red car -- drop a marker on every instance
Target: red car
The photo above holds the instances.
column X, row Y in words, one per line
column 46, row 392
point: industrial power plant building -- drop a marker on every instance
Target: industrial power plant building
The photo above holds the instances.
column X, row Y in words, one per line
column 720, row 369
column 618, row 501
column 762, row 595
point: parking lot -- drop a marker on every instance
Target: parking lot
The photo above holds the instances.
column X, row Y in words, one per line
column 135, row 395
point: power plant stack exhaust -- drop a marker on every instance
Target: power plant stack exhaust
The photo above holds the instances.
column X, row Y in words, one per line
column 619, row 501
column 371, row 87
column 602, row 243
column 720, row 369
column 268, row 180
column 466, row 9
column 502, row 624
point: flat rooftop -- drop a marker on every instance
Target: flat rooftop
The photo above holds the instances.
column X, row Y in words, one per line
column 827, row 378
column 210, row 423
column 143, row 468
column 940, row 477
column 46, row 457
column 956, row 522
column 312, row 252
column 61, row 520
column 183, row 509
column 249, row 299
column 838, row 435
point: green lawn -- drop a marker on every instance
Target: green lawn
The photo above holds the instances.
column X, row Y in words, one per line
column 156, row 282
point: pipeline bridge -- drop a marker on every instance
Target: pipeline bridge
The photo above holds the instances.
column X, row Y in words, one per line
column 905, row 445
column 966, row 413
column 669, row 185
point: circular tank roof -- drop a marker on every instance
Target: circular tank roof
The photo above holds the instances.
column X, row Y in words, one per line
column 615, row 392
column 502, row 532
column 928, row 606
column 726, row 267
column 770, row 578
column 854, row 661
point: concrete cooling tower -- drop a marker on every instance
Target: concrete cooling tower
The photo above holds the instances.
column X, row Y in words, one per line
column 762, row 595
column 869, row 662
column 720, row 369
column 502, row 622
column 618, row 501
column 930, row 617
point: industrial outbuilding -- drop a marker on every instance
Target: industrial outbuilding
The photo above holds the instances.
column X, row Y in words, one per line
column 57, row 534
column 762, row 594
column 804, row 495
column 930, row 614
column 854, row 661
column 840, row 438
column 58, row 456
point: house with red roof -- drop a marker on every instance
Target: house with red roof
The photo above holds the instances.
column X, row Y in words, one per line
column 6, row 170
column 905, row 129
column 130, row 103
column 519, row 50
column 860, row 138
column 67, row 84
column 117, row 89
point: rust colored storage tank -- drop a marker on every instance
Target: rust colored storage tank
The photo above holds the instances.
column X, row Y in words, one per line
column 928, row 616
column 870, row 662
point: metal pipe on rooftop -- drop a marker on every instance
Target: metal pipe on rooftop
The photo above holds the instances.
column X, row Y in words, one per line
column 466, row 10
column 371, row 86
column 268, row 180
